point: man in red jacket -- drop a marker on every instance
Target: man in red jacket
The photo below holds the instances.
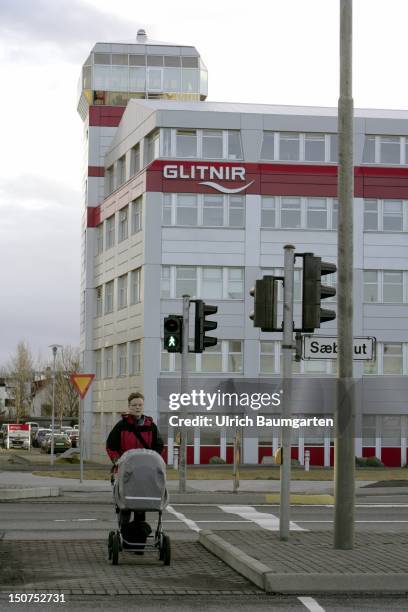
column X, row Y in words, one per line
column 135, row 430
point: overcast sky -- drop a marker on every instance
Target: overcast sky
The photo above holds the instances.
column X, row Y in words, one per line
column 275, row 51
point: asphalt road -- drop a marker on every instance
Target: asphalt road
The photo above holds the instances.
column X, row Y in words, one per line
column 76, row 519
column 204, row 583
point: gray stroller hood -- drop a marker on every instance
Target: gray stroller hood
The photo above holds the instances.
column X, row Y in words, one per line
column 141, row 481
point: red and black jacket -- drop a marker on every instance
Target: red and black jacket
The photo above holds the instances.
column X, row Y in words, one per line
column 126, row 435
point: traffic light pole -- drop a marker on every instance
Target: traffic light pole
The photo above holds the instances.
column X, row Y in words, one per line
column 184, row 384
column 287, row 347
column 344, row 449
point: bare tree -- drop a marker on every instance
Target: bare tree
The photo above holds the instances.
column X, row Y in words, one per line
column 20, row 375
column 66, row 396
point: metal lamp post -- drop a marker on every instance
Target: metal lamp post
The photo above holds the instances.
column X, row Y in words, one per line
column 54, row 348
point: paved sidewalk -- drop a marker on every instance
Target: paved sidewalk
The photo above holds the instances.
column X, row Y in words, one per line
column 82, row 567
column 307, row 563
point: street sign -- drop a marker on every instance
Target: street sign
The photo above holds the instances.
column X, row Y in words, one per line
column 325, row 347
column 82, row 382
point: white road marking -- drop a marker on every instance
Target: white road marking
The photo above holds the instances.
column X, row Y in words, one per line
column 263, row 519
column 370, row 521
column 190, row 523
column 311, row 604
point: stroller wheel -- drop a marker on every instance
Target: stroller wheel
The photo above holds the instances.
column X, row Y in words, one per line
column 115, row 548
column 165, row 553
column 110, row 537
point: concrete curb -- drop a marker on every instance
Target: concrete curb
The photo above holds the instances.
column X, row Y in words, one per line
column 252, row 569
column 300, row 583
column 9, row 494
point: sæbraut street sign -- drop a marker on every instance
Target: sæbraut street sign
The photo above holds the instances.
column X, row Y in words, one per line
column 326, row 347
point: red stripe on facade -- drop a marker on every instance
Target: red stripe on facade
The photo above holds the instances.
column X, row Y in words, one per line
column 93, row 216
column 264, row 179
column 105, row 116
column 97, row 171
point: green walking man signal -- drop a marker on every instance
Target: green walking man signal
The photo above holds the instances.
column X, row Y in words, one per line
column 173, row 333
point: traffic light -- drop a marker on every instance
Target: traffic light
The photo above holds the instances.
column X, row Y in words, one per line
column 313, row 292
column 201, row 341
column 173, row 333
column 265, row 294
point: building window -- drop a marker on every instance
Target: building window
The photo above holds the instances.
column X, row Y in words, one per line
column 135, row 277
column 389, row 150
column 186, row 143
column 236, row 211
column 234, row 355
column 165, row 290
column 333, row 148
column 289, row 146
column 121, row 171
column 369, row 429
column 109, row 180
column 391, row 431
column 316, row 213
column 99, row 239
column 369, row 150
column 234, row 145
column 121, row 360
column 152, row 147
column 268, row 212
column 212, row 143
column 98, row 364
column 315, row 147
column 123, row 224
column 136, row 225
column 392, row 286
column 109, row 297
column 392, row 358
column 235, row 284
column 371, row 215
column 186, row 281
column 213, row 210
column 298, row 213
column 110, row 232
column 392, row 216
column 206, row 282
column 167, row 209
column 135, row 160
column 134, row 357
column 268, row 146
column 290, row 213
column 186, row 209
column 370, row 286
column 122, row 291
column 108, row 356
column 206, row 210
column 211, row 283
column 268, row 363
column 335, row 213
column 386, row 286
column 99, row 301
column 211, row 359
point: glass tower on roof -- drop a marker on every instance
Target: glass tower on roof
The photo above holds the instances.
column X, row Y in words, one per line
column 116, row 72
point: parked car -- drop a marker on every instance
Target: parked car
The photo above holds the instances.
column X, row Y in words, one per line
column 15, row 439
column 74, row 437
column 39, row 436
column 61, row 443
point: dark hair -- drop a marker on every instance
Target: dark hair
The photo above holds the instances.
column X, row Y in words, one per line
column 136, row 395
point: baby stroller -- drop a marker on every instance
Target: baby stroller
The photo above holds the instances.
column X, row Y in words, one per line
column 139, row 486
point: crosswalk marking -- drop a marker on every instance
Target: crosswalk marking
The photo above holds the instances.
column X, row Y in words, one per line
column 263, row 519
column 311, row 604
